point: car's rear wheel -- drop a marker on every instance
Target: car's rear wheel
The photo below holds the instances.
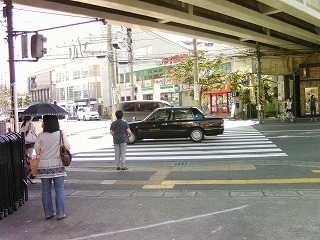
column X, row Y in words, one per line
column 132, row 138
column 196, row 135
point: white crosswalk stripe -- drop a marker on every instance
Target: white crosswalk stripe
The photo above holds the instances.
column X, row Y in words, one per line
column 235, row 143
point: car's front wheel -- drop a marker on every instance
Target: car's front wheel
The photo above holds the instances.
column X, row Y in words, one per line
column 196, row 135
column 132, row 138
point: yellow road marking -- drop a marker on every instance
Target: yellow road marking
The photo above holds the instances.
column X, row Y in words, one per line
column 158, row 177
column 171, row 184
column 157, row 180
column 315, row 171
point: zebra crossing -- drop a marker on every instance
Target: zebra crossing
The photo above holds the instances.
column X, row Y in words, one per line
column 236, row 143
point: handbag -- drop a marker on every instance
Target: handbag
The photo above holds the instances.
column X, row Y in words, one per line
column 30, row 136
column 65, row 154
column 34, row 162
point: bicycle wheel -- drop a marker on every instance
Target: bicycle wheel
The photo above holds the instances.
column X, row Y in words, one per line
column 290, row 117
column 281, row 117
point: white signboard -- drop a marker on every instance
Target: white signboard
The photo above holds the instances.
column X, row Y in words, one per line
column 196, row 92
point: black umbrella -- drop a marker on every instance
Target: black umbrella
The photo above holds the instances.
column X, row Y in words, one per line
column 43, row 109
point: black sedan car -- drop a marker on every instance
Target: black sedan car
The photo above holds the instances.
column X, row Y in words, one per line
column 176, row 122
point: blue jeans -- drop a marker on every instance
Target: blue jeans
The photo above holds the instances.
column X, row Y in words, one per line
column 47, row 196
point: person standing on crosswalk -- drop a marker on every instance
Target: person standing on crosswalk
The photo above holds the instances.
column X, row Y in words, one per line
column 313, row 107
column 121, row 132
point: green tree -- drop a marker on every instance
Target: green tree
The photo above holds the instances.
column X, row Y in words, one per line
column 210, row 76
column 27, row 100
column 20, row 102
column 239, row 82
column 5, row 97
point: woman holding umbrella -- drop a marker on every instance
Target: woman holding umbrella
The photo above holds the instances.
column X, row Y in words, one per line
column 50, row 167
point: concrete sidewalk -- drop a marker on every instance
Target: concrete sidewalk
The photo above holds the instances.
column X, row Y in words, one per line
column 170, row 214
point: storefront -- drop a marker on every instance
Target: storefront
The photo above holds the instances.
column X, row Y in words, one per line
column 161, row 89
column 219, row 102
column 309, row 85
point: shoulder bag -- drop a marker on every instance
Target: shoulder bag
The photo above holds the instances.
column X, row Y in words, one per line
column 30, row 136
column 65, row 154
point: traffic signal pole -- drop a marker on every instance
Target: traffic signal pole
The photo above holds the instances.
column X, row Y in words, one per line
column 14, row 103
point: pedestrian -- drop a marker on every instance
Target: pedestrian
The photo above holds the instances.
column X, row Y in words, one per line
column 288, row 105
column 25, row 127
column 121, row 132
column 313, row 105
column 50, row 168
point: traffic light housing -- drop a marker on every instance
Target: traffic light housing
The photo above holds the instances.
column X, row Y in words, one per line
column 37, row 46
column 24, row 46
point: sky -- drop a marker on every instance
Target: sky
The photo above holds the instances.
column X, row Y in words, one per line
column 30, row 20
column 33, row 19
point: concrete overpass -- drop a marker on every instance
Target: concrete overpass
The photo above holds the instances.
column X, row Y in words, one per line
column 281, row 27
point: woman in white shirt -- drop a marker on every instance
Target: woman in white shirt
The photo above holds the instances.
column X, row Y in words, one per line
column 50, row 167
column 26, row 126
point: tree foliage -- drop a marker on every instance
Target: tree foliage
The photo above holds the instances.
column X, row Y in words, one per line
column 20, row 102
column 4, row 97
column 27, row 100
column 211, row 77
column 246, row 83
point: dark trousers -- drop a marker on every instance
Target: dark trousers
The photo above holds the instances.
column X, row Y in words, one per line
column 313, row 112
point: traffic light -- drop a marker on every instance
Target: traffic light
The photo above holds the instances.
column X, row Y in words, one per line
column 24, row 46
column 37, row 48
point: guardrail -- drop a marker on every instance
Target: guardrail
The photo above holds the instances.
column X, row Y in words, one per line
column 13, row 184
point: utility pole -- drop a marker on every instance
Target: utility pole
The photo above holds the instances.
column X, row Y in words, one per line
column 112, row 78
column 196, row 73
column 260, row 91
column 13, row 90
column 130, row 58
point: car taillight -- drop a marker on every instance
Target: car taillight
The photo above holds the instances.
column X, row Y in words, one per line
column 222, row 122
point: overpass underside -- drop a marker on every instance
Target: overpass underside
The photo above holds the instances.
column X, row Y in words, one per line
column 281, row 27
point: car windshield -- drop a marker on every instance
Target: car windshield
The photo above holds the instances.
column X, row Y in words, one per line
column 89, row 110
column 159, row 116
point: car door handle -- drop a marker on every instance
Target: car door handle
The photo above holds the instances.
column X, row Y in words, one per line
column 164, row 123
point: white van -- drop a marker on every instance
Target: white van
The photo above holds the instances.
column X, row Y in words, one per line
column 138, row 110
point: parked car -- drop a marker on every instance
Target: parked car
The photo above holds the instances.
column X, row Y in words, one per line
column 138, row 110
column 87, row 113
column 176, row 122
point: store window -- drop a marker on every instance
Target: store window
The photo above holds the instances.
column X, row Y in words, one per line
column 62, row 94
column 76, row 74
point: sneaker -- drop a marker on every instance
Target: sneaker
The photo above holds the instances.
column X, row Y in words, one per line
column 64, row 216
column 311, row 119
column 124, row 168
column 31, row 181
column 48, row 218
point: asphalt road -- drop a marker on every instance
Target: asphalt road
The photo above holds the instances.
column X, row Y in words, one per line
column 269, row 189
